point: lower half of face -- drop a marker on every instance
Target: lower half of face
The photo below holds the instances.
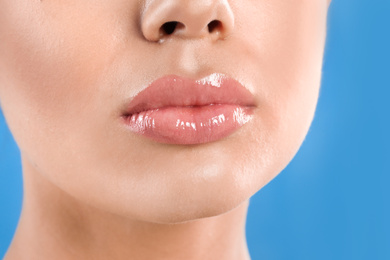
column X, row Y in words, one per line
column 67, row 71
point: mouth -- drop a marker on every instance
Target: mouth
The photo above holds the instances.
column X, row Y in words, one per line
column 177, row 110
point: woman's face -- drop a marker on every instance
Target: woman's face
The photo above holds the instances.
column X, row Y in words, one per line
column 68, row 68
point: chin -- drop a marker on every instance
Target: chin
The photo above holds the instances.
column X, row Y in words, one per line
column 194, row 212
column 198, row 202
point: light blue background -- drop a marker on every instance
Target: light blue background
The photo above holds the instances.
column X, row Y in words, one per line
column 332, row 201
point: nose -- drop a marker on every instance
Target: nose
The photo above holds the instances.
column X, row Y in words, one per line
column 186, row 19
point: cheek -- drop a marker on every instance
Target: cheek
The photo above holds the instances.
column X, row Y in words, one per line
column 287, row 46
column 50, row 68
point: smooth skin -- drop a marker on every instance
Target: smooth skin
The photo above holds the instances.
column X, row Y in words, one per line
column 93, row 189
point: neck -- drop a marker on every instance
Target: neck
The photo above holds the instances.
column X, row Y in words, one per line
column 54, row 224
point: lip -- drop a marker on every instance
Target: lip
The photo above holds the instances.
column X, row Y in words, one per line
column 178, row 110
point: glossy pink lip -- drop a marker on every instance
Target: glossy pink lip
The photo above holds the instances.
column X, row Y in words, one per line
column 179, row 110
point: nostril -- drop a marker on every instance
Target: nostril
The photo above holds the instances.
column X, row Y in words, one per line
column 170, row 27
column 214, row 25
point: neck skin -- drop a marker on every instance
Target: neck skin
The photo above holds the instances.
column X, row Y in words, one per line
column 54, row 225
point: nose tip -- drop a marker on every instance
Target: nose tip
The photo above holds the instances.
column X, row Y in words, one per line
column 186, row 19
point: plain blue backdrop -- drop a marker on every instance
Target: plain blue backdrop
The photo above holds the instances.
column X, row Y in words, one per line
column 332, row 201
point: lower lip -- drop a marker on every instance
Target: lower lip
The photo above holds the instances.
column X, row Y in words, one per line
column 189, row 125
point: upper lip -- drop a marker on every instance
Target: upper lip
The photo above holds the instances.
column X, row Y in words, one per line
column 176, row 91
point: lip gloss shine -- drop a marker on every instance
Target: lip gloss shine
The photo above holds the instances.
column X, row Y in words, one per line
column 182, row 111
